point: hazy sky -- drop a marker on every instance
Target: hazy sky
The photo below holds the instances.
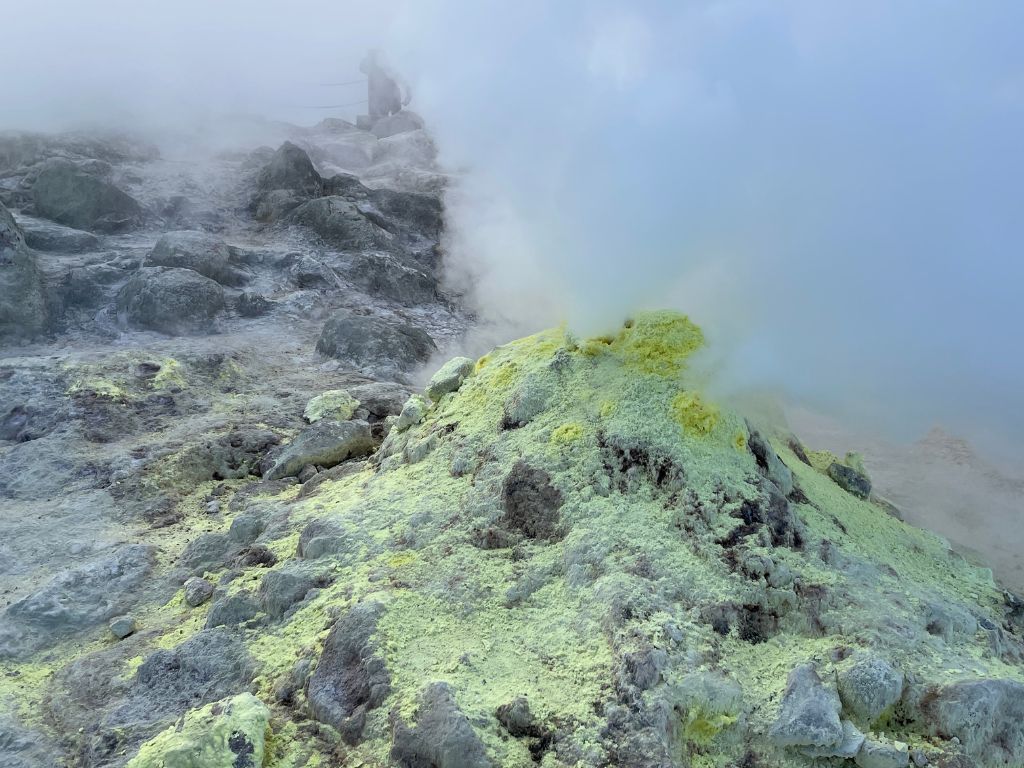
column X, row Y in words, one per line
column 833, row 188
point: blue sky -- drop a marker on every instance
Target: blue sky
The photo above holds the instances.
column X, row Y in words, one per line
column 834, row 189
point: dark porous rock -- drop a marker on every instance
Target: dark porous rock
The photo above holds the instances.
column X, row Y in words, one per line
column 281, row 589
column 380, row 399
column 531, row 503
column 24, row 310
column 255, row 555
column 197, row 591
column 199, row 251
column 290, row 169
column 375, row 344
column 641, row 670
column 319, row 538
column 351, row 677
column 442, row 736
column 249, row 304
column 171, row 300
column 771, row 466
column 517, row 718
column 71, row 195
column 408, row 214
column 56, row 238
column 83, row 597
column 232, row 456
column 987, row 716
column 340, row 224
column 233, row 609
column 90, row 286
column 209, row 666
column 380, row 274
column 325, row 444
column 850, row 480
column 809, row 715
column 207, row 552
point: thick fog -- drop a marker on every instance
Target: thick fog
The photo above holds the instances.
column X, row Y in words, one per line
column 834, row 190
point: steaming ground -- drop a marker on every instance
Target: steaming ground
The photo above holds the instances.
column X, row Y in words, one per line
column 939, row 482
column 81, row 412
column 234, row 526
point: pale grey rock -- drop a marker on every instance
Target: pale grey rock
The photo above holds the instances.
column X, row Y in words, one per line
column 449, row 377
column 880, row 754
column 850, row 745
column 809, row 715
column 987, row 716
column 71, row 195
column 325, row 443
column 122, row 626
column 400, row 122
column 869, row 687
column 172, row 300
column 197, row 591
column 202, row 252
column 413, row 412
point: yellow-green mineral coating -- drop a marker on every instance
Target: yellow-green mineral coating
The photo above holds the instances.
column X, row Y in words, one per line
column 542, row 619
column 335, row 404
column 224, row 734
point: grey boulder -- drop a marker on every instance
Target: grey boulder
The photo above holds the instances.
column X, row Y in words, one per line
column 281, row 589
column 71, row 195
column 986, row 715
column 172, row 300
column 442, row 736
column 197, row 591
column 233, row 609
column 380, row 274
column 122, row 626
column 325, row 443
column 340, row 224
column 449, row 377
column 880, row 754
column 809, row 715
column 351, row 677
column 869, row 687
column 56, row 238
column 290, row 169
column 205, row 253
column 850, row 480
column 375, row 344
column 319, row 538
column 24, row 312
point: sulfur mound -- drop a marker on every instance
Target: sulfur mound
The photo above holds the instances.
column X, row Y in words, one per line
column 569, row 555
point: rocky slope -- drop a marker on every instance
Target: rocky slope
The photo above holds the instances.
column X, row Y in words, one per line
column 561, row 554
column 235, row 533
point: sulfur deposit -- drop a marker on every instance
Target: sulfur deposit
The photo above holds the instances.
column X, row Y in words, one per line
column 562, row 554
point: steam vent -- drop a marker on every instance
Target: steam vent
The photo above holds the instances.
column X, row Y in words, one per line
column 561, row 554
